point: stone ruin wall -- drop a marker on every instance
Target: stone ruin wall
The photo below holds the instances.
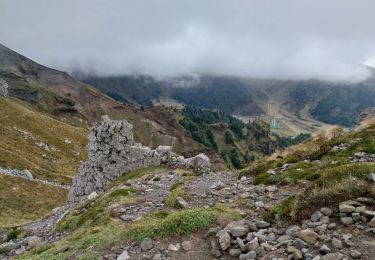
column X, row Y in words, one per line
column 113, row 152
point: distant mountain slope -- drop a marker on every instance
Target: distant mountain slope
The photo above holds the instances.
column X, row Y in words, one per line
column 332, row 103
column 38, row 84
column 128, row 89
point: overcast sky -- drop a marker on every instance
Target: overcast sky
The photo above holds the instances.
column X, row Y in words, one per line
column 326, row 39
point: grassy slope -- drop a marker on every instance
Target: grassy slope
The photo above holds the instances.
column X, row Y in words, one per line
column 20, row 152
column 22, row 200
column 326, row 182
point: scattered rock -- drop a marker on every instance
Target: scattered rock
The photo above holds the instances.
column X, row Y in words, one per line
column 186, row 245
column 324, row 249
column 252, row 245
column 34, row 242
column 344, row 208
column 237, row 229
column 5, row 247
column 241, row 244
column 93, row 195
column 297, row 255
column 332, row 256
column 347, row 221
column 327, row 211
column 249, row 256
column 217, row 185
column 292, row 230
column 372, row 222
column 147, row 244
column 224, row 239
column 124, row 255
column 308, row 236
column 336, row 243
column 181, row 202
column 174, row 248
column 299, row 243
column 262, row 224
column 315, row 217
column 235, row 252
column 372, row 176
column 271, row 188
column 355, row 254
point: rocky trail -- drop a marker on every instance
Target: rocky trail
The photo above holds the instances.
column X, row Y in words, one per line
column 327, row 235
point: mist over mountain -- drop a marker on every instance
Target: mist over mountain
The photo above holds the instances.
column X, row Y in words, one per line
column 277, row 39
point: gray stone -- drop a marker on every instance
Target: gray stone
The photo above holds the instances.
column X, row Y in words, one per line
column 361, row 209
column 262, row 224
column 214, row 248
column 181, row 202
column 327, row 211
column 217, row 185
column 344, row 208
column 356, row 216
column 284, row 238
column 368, row 213
column 316, row 216
column 93, row 195
column 224, row 239
column 8, row 246
column 261, row 251
column 34, row 242
column 299, row 243
column 241, row 244
column 324, row 220
column 297, row 255
column 372, row 176
column 346, row 221
column 332, row 226
column 4, row 88
column 235, row 252
column 271, row 188
column 147, row 244
column 26, row 174
column 332, row 256
column 324, row 249
column 249, row 256
column 292, row 231
column 174, row 248
column 252, row 245
column 308, row 236
column 124, row 255
column 237, row 228
column 186, row 245
column 372, row 222
column 336, row 243
column 355, row 254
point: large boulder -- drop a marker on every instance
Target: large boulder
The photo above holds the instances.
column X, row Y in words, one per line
column 200, row 162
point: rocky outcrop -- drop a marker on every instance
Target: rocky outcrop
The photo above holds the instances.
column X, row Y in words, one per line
column 3, row 88
column 112, row 151
column 17, row 173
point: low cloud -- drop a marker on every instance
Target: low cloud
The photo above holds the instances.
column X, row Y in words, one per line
column 291, row 39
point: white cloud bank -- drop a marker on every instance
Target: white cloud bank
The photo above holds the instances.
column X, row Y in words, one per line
column 290, row 39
